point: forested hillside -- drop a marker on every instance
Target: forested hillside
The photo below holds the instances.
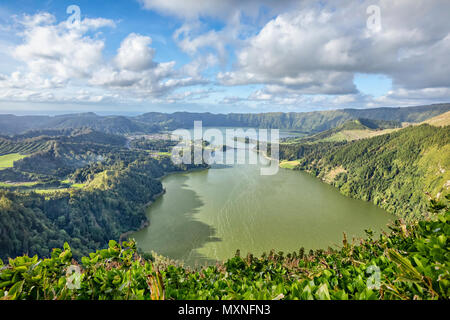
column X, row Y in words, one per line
column 80, row 186
column 398, row 171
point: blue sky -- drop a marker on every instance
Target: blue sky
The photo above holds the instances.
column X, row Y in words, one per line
column 223, row 56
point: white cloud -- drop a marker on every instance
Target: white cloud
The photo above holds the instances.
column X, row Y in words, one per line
column 134, row 69
column 316, row 50
column 135, row 54
column 58, row 58
column 57, row 51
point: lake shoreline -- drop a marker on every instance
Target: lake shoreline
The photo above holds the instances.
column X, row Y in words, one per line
column 146, row 223
column 239, row 208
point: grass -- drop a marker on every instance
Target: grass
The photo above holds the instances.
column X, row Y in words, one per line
column 350, row 135
column 440, row 120
column 18, row 184
column 101, row 180
column 289, row 164
column 58, row 190
column 7, row 161
column 50, row 191
column 161, row 153
column 78, row 185
column 44, row 190
column 437, row 175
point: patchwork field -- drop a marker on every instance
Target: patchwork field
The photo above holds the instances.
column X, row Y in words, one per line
column 7, row 161
column 289, row 164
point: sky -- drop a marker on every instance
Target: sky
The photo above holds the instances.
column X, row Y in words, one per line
column 221, row 56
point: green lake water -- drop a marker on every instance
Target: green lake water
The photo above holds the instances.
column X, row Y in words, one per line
column 204, row 216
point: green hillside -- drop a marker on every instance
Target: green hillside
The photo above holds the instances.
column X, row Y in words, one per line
column 81, row 186
column 350, row 130
column 440, row 120
column 397, row 171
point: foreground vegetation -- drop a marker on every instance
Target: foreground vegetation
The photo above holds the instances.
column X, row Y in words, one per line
column 412, row 262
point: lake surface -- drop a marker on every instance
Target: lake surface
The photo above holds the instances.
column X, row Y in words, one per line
column 204, row 216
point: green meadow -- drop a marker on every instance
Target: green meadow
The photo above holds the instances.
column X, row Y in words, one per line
column 289, row 164
column 7, row 161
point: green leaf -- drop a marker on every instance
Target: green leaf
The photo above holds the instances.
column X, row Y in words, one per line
column 16, row 290
column 409, row 272
column 112, row 244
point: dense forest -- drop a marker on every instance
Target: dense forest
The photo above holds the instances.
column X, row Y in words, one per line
column 306, row 122
column 398, row 171
column 410, row 262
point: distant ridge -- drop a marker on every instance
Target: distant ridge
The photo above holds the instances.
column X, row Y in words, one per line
column 352, row 130
column 440, row 120
column 307, row 122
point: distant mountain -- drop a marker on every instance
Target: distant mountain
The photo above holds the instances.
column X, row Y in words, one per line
column 351, row 130
column 440, row 120
column 312, row 122
column 11, row 124
column 307, row 122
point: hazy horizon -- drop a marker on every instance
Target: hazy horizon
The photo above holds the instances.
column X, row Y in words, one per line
column 137, row 113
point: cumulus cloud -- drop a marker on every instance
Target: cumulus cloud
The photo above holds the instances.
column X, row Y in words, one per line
column 58, row 51
column 316, row 50
column 134, row 68
column 135, row 54
column 59, row 56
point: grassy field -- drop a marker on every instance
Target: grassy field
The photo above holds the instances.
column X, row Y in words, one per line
column 78, row 185
column 440, row 120
column 50, row 191
column 289, row 164
column 7, row 161
column 350, row 135
column 161, row 153
column 18, row 184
